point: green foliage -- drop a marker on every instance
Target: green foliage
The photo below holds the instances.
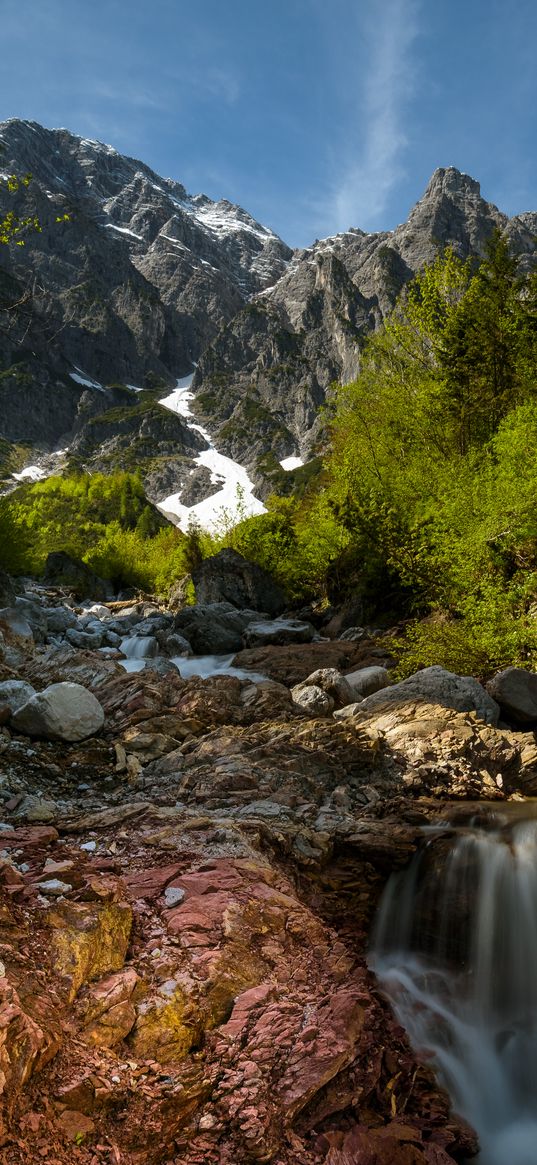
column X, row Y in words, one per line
column 105, row 520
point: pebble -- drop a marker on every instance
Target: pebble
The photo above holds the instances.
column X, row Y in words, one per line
column 89, row 846
column 173, row 895
column 55, row 887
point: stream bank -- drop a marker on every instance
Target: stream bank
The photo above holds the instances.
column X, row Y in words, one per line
column 187, row 895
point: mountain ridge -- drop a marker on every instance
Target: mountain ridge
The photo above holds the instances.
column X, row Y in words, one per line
column 147, row 283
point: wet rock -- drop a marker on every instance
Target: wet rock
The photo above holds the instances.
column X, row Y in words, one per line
column 313, row 699
column 278, row 632
column 515, row 690
column 163, row 667
column 435, row 685
column 63, row 711
column 213, row 628
column 228, row 577
column 173, row 643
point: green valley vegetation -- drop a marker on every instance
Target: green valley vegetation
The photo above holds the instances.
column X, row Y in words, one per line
column 103, row 519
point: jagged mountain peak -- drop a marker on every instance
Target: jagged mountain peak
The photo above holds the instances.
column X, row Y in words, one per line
column 453, row 182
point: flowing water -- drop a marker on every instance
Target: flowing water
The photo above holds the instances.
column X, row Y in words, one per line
column 455, row 950
column 137, row 650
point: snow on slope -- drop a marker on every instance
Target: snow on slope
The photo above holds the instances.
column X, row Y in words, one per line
column 234, row 498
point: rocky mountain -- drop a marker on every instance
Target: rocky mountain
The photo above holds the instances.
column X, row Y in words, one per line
column 145, row 281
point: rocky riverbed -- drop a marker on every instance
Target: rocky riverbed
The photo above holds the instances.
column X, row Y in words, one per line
column 189, row 868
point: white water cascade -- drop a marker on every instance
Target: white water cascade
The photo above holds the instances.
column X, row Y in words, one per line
column 455, row 950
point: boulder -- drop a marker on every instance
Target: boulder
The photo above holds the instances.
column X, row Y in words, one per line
column 59, row 619
column 279, row 632
column 333, row 683
column 173, row 643
column 435, row 685
column 64, row 571
column 15, row 624
column 35, row 615
column 366, row 681
column 15, row 693
column 228, row 577
column 313, row 699
column 62, row 711
column 213, row 628
column 515, row 690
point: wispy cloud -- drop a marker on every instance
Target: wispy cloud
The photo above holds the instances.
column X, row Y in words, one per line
column 374, row 162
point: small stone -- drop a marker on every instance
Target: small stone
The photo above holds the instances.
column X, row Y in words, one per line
column 173, row 896
column 54, row 887
column 89, row 846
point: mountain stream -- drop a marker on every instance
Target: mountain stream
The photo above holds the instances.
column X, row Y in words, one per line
column 455, row 951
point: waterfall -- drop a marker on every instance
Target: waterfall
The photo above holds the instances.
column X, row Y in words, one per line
column 455, row 951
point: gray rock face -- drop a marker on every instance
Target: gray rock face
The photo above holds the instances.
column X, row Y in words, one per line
column 155, row 271
column 278, row 356
column 435, row 685
column 228, row 577
column 166, row 280
column 62, row 711
column 515, row 690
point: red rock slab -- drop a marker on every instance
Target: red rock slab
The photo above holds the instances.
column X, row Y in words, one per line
column 375, row 1147
column 245, row 1004
column 223, row 877
column 150, row 884
column 36, row 835
column 203, row 915
column 323, row 1048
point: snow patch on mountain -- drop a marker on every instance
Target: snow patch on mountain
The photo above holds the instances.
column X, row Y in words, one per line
column 233, row 500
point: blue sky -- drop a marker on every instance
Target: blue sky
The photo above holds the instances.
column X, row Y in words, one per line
column 315, row 115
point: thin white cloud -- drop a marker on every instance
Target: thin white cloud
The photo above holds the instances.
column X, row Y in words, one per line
column 379, row 131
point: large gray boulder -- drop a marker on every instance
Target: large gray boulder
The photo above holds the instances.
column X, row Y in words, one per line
column 367, row 680
column 228, row 577
column 435, row 685
column 62, row 711
column 278, row 632
column 515, row 690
